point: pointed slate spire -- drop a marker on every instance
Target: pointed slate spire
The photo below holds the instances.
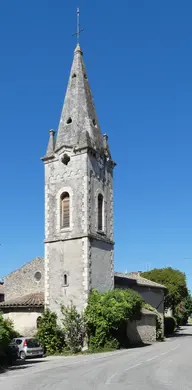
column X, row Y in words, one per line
column 79, row 125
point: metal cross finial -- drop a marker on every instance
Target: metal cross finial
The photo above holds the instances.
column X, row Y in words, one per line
column 78, row 26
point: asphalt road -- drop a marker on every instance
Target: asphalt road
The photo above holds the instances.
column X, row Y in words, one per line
column 166, row 365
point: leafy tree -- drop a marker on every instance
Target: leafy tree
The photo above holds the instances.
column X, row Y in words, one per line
column 107, row 315
column 73, row 327
column 183, row 310
column 49, row 333
column 175, row 282
column 188, row 305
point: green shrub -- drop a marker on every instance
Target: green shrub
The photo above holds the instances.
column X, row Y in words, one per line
column 50, row 334
column 7, row 333
column 159, row 322
column 73, row 327
column 107, row 315
column 169, row 325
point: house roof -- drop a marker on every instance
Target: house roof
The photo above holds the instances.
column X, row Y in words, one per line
column 135, row 277
column 29, row 300
column 29, row 263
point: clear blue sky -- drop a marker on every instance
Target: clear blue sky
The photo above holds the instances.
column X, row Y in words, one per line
column 138, row 56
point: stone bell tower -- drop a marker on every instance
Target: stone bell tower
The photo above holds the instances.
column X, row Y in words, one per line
column 78, row 200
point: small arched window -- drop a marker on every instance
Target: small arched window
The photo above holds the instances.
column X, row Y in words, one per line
column 65, row 211
column 100, row 212
column 65, row 280
column 38, row 322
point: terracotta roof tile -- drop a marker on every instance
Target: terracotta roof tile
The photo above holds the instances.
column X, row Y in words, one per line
column 30, row 300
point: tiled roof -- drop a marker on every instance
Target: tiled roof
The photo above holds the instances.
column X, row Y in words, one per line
column 30, row 300
column 140, row 281
column 29, row 263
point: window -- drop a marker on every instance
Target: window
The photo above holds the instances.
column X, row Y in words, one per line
column 65, row 160
column 37, row 276
column 18, row 341
column 69, row 120
column 38, row 322
column 65, row 217
column 100, row 212
column 65, row 280
column 32, row 343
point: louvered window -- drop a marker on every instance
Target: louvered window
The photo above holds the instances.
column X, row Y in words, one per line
column 65, row 210
column 100, row 212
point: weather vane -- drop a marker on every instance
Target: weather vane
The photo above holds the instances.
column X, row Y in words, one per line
column 78, row 32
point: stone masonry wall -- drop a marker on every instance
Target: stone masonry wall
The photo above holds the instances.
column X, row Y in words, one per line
column 66, row 259
column 66, row 249
column 25, row 280
column 24, row 320
column 101, row 181
column 88, row 261
column 102, row 277
column 142, row 331
column 152, row 296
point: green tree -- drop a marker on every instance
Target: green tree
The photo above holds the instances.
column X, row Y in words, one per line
column 188, row 305
column 183, row 310
column 73, row 327
column 175, row 282
column 49, row 333
column 107, row 315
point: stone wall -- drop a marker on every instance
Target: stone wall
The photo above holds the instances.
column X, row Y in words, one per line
column 65, row 258
column 152, row 296
column 143, row 330
column 102, row 260
column 24, row 320
column 27, row 279
column 80, row 251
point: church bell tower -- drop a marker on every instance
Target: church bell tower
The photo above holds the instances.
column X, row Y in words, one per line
column 78, row 200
